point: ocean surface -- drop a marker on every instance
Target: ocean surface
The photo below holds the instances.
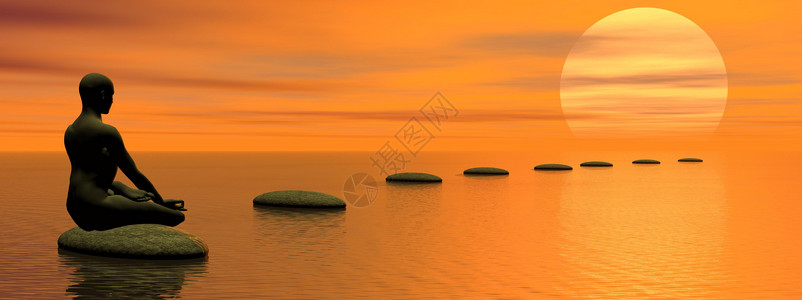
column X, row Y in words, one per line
column 728, row 228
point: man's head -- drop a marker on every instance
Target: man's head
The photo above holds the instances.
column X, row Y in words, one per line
column 96, row 92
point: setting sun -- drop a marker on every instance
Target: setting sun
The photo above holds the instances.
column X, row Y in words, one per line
column 643, row 72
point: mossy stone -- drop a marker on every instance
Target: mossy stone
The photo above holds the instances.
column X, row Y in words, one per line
column 143, row 241
column 646, row 161
column 553, row 167
column 485, row 171
column 296, row 198
column 689, row 159
column 595, row 164
column 413, row 177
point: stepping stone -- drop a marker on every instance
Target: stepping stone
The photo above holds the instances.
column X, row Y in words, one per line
column 553, row 167
column 413, row 177
column 646, row 161
column 688, row 159
column 485, row 171
column 143, row 241
column 296, row 198
column 595, row 164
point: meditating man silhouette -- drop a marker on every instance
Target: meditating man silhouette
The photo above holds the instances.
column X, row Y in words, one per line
column 94, row 200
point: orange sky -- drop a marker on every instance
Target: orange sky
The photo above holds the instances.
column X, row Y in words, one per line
column 347, row 75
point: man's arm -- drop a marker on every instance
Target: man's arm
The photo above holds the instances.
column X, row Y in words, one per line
column 126, row 164
column 123, row 160
column 119, row 188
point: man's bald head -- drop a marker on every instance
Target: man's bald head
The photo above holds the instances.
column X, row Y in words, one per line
column 92, row 86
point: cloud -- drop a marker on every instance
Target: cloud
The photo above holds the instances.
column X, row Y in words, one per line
column 530, row 83
column 649, row 105
column 690, row 78
column 306, row 116
column 325, row 64
column 40, row 66
column 476, row 116
column 600, row 46
column 764, row 79
column 248, row 133
column 276, row 85
column 763, row 101
column 773, row 120
column 57, row 14
column 547, row 44
column 279, row 134
column 283, row 85
column 114, row 15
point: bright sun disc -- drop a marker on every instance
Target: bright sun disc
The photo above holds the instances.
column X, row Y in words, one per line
column 643, row 72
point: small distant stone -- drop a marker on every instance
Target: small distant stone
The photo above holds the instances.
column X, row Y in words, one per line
column 595, row 164
column 485, row 171
column 296, row 198
column 143, row 241
column 413, row 177
column 646, row 161
column 690, row 159
column 553, row 167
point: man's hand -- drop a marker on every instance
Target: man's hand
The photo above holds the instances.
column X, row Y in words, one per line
column 174, row 204
column 137, row 195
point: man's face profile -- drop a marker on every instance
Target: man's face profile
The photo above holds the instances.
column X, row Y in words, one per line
column 105, row 99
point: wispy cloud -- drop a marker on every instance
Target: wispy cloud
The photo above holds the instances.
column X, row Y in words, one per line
column 301, row 116
column 772, row 120
column 528, row 83
column 280, row 134
column 266, row 85
column 332, row 65
column 550, row 44
column 764, row 101
column 50, row 13
column 687, row 79
column 41, row 66
column 764, row 79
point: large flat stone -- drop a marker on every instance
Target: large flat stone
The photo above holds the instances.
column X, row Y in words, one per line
column 145, row 241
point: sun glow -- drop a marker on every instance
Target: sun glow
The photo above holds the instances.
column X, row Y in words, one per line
column 643, row 72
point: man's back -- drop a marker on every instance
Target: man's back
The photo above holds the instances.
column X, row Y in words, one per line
column 93, row 169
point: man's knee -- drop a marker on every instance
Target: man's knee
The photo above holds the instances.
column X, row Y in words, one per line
column 177, row 218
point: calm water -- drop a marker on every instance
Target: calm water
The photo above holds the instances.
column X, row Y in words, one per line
column 725, row 228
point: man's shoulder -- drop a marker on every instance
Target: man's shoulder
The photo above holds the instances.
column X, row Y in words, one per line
column 108, row 130
column 94, row 129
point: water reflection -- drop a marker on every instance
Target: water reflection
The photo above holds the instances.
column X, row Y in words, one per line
column 637, row 231
column 292, row 237
column 298, row 224
column 475, row 202
column 413, row 201
column 94, row 277
column 763, row 224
